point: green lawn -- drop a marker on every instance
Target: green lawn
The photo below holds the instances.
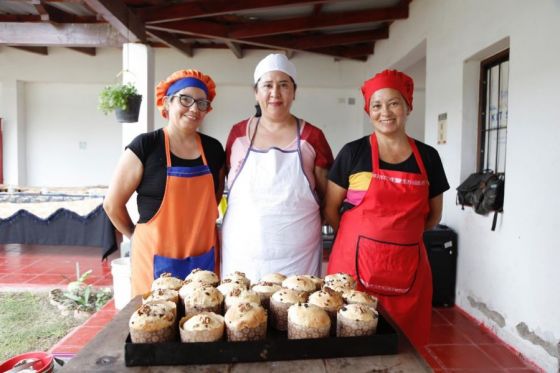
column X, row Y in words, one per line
column 28, row 322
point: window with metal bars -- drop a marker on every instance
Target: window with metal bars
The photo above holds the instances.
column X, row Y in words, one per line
column 493, row 113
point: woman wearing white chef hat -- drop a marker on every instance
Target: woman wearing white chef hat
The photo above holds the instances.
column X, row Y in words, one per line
column 277, row 177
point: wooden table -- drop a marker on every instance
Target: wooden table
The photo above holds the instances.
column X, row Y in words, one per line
column 105, row 353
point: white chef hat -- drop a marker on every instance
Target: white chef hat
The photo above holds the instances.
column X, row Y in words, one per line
column 275, row 62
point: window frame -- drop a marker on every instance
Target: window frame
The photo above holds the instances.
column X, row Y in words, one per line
column 482, row 131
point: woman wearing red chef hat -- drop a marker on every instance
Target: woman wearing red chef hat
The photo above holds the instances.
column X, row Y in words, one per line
column 384, row 190
column 178, row 174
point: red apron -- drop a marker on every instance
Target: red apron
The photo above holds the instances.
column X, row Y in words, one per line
column 379, row 242
column 182, row 234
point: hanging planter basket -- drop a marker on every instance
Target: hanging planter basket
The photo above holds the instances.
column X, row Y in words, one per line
column 130, row 114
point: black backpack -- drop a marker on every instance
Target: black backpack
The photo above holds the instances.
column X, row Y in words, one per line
column 484, row 191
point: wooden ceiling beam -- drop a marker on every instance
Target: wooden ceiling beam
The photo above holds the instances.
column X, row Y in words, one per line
column 204, row 29
column 205, row 8
column 357, row 51
column 89, row 51
column 43, row 51
column 49, row 13
column 196, row 28
column 173, row 42
column 64, row 35
column 124, row 20
column 324, row 40
column 235, row 48
column 323, row 21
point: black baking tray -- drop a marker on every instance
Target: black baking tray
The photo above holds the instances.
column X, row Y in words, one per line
column 276, row 346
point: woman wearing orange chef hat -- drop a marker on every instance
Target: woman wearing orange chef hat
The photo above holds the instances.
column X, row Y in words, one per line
column 178, row 174
column 389, row 188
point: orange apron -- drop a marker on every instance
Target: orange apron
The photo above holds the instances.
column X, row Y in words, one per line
column 182, row 234
column 379, row 242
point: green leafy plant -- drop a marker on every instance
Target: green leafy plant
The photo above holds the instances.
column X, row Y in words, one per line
column 80, row 296
column 116, row 96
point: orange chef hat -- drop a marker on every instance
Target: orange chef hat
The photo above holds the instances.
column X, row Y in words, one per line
column 183, row 79
column 389, row 79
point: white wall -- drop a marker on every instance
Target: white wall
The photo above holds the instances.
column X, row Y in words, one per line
column 58, row 107
column 507, row 278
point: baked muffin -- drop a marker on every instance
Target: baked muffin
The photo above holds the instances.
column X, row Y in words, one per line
column 307, row 321
column 229, row 285
column 161, row 295
column 265, row 291
column 188, row 287
column 359, row 297
column 318, row 281
column 153, row 323
column 203, row 299
column 206, row 277
column 329, row 300
column 237, row 276
column 280, row 302
column 241, row 296
column 356, row 320
column 246, row 322
column 299, row 283
column 340, row 281
column 203, row 327
column 275, row 278
column 167, row 281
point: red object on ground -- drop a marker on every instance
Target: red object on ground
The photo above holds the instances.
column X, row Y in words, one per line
column 44, row 363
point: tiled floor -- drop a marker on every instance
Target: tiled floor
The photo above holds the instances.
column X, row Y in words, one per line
column 457, row 343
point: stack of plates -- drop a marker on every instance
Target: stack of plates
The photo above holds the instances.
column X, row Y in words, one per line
column 40, row 362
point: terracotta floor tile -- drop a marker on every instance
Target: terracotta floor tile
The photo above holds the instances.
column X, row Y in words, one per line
column 49, row 279
column 503, row 356
column 81, row 336
column 447, row 334
column 437, row 319
column 100, row 319
column 524, row 370
column 17, row 278
column 461, row 357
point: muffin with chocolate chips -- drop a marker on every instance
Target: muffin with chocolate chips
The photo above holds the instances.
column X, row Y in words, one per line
column 329, row 300
column 237, row 276
column 275, row 278
column 356, row 320
column 230, row 285
column 265, row 290
column 299, row 283
column 359, row 297
column 280, row 302
column 246, row 322
column 203, row 327
column 161, row 295
column 206, row 277
column 153, row 323
column 241, row 296
column 340, row 281
column 203, row 299
column 307, row 321
column 167, row 281
column 318, row 281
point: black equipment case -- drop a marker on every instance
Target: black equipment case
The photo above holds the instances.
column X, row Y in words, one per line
column 441, row 245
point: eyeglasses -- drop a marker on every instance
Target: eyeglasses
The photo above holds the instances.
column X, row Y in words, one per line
column 188, row 101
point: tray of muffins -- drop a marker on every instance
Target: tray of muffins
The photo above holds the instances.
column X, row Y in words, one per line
column 202, row 320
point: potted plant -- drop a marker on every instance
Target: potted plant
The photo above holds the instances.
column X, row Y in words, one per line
column 124, row 99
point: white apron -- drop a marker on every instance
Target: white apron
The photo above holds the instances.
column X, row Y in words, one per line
column 272, row 222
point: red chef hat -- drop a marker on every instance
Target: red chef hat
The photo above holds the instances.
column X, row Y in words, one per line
column 389, row 79
column 202, row 81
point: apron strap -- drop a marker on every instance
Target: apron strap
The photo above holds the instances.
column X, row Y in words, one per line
column 168, row 151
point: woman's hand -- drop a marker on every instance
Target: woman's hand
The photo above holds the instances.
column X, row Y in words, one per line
column 126, row 179
column 333, row 200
